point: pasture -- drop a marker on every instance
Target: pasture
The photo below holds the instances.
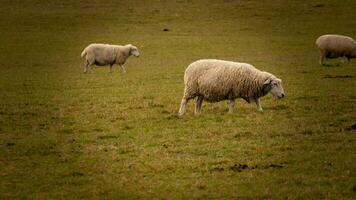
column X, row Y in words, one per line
column 100, row 135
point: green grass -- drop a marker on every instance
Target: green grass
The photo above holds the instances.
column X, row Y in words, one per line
column 69, row 135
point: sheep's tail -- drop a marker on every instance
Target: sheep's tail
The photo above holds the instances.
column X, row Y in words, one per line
column 83, row 53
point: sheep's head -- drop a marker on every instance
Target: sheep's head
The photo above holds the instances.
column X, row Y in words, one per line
column 134, row 51
column 274, row 85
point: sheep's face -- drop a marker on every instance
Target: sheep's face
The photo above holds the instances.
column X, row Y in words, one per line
column 275, row 86
column 134, row 51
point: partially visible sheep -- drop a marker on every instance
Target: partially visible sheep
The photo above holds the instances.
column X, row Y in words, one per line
column 217, row 80
column 334, row 46
column 106, row 54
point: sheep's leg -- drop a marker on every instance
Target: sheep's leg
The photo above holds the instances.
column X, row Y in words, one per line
column 123, row 68
column 183, row 105
column 111, row 66
column 187, row 95
column 348, row 59
column 344, row 59
column 231, row 106
column 258, row 104
column 86, row 65
column 198, row 104
column 322, row 58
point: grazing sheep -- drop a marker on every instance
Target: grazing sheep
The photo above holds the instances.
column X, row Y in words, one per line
column 217, row 80
column 106, row 54
column 334, row 46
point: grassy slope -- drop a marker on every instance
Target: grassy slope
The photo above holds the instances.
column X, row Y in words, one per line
column 66, row 134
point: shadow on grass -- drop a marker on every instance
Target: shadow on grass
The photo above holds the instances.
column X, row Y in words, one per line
column 279, row 107
column 244, row 167
column 332, row 65
column 338, row 76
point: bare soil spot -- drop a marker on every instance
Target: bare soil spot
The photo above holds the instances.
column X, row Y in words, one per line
column 103, row 137
column 9, row 144
column 320, row 5
column 352, row 127
column 240, row 167
column 77, row 174
column 243, row 167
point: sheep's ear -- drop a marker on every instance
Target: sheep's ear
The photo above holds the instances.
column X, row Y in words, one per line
column 267, row 82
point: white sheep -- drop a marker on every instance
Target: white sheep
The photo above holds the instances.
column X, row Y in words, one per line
column 217, row 80
column 106, row 54
column 334, row 46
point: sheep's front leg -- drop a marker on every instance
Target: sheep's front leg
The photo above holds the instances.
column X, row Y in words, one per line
column 231, row 106
column 346, row 59
column 258, row 104
column 123, row 68
column 198, row 104
column 111, row 66
column 343, row 59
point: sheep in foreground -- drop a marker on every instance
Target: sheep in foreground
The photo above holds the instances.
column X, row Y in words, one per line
column 106, row 54
column 334, row 46
column 217, row 80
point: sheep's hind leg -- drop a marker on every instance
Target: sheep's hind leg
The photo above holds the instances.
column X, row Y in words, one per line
column 186, row 97
column 198, row 104
column 86, row 65
column 111, row 66
column 123, row 68
column 258, row 104
column 183, row 106
column 231, row 106
column 322, row 58
column 346, row 59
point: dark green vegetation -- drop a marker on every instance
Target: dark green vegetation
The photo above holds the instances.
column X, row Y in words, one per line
column 65, row 134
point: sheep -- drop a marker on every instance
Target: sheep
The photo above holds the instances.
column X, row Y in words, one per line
column 106, row 54
column 216, row 80
column 334, row 46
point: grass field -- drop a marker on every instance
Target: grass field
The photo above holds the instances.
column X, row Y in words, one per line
column 69, row 135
